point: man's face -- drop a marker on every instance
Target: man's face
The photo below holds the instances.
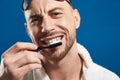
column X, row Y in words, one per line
column 49, row 20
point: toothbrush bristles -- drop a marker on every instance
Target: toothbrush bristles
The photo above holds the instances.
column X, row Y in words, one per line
column 50, row 46
column 55, row 45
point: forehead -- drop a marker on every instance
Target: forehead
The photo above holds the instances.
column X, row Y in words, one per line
column 46, row 4
column 26, row 3
column 39, row 7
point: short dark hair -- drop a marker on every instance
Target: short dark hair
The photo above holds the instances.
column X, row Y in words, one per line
column 25, row 3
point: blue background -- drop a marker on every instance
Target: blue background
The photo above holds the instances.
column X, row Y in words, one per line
column 99, row 31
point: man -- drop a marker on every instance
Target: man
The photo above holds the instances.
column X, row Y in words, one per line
column 50, row 21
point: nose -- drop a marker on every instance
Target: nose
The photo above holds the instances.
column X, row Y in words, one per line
column 47, row 25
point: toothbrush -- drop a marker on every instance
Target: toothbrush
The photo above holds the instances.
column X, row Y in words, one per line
column 51, row 45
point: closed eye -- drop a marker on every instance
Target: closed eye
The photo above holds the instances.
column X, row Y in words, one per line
column 56, row 14
column 35, row 19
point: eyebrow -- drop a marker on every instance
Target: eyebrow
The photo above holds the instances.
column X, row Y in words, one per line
column 49, row 11
column 56, row 8
column 33, row 16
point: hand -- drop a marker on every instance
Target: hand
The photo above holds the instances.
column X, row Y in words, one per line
column 19, row 60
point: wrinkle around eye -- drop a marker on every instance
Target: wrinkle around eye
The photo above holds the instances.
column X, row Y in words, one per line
column 33, row 20
column 56, row 14
column 35, row 17
column 36, row 21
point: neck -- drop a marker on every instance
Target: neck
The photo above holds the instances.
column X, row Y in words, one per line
column 68, row 68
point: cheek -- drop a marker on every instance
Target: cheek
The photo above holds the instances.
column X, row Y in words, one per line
column 35, row 30
column 67, row 24
column 33, row 33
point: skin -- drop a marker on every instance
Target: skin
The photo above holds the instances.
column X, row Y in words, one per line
column 45, row 21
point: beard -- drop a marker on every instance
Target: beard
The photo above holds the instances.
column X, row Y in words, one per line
column 58, row 53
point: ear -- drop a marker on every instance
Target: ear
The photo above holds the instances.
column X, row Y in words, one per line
column 29, row 32
column 77, row 18
column 27, row 29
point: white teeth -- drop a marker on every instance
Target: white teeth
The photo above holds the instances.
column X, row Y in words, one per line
column 55, row 40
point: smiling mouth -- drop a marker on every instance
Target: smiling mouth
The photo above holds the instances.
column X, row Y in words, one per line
column 51, row 40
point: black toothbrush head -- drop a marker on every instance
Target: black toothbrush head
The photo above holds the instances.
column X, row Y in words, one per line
column 50, row 46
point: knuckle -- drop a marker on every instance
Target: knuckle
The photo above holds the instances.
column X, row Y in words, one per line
column 6, row 62
column 25, row 52
column 18, row 44
column 27, row 56
column 4, row 55
column 8, row 65
column 30, row 67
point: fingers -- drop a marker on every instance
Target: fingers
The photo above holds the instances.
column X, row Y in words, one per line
column 23, row 58
column 20, row 46
column 27, row 68
column 19, row 73
column 21, row 63
column 19, row 60
column 26, row 57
